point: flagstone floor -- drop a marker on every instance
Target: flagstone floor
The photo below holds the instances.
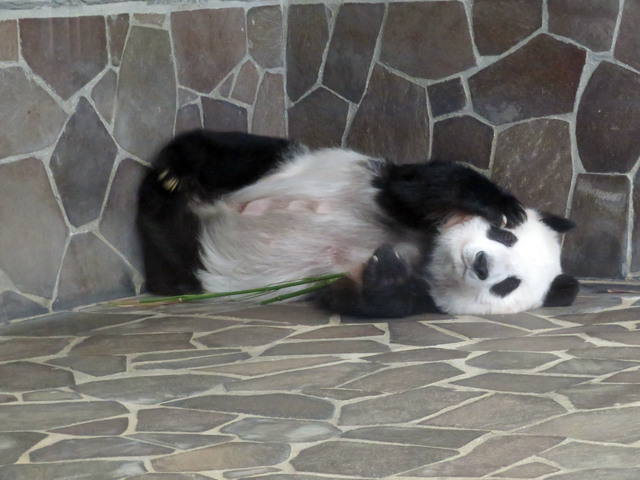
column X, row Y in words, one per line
column 215, row 390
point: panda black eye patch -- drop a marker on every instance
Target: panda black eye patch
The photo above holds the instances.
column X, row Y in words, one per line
column 505, row 237
column 505, row 287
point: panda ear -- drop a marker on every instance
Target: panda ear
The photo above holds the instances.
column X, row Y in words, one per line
column 563, row 291
column 557, row 223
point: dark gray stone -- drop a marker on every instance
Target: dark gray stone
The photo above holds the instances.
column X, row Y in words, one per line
column 264, row 31
column 590, row 22
column 268, row 111
column 89, row 470
column 446, row 97
column 24, row 376
column 628, row 42
column 246, row 83
column 463, row 139
column 14, row 305
column 224, row 116
column 88, row 448
column 104, row 95
column 284, row 431
column 118, row 26
column 82, row 163
column 14, row 444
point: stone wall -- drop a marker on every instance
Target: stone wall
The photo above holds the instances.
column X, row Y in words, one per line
column 544, row 95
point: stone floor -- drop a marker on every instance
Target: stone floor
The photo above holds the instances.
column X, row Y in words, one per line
column 215, row 390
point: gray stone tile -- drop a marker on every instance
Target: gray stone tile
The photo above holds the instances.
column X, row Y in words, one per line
column 191, row 363
column 300, row 314
column 221, row 115
column 15, row 417
column 511, row 360
column 23, row 348
column 612, row 425
column 23, row 376
column 153, row 389
column 319, row 377
column 224, row 457
column 589, row 366
column 464, row 139
column 261, row 367
column 420, row 355
column 493, row 454
column 278, row 405
column 246, row 84
column 326, row 347
column 521, row 383
column 181, row 441
column 625, row 377
column 339, row 393
column 549, row 343
column 14, row 305
column 501, row 412
column 167, row 419
column 181, row 354
column 65, row 324
column 125, row 344
column 591, row 22
column 114, row 426
column 586, row 455
column 104, row 95
column 528, row 470
column 613, row 353
column 103, row 447
column 96, row 365
column 599, row 474
column 14, row 444
column 599, row 395
column 365, row 459
column 245, row 337
column 481, row 329
column 414, row 333
column 269, row 108
column 524, row 320
column 400, row 379
column 281, row 431
column 264, row 31
column 402, row 407
column 50, row 396
column 9, row 40
column 89, row 470
column 415, row 435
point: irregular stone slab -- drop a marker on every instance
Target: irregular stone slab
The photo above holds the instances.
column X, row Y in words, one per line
column 534, row 150
column 90, row 470
column 598, row 249
column 150, row 390
column 606, row 317
column 326, row 347
column 246, row 83
column 118, row 26
column 104, row 95
column 511, row 360
column 528, row 470
column 499, row 25
column 307, row 35
column 622, row 336
column 635, row 231
column 96, row 365
column 273, row 366
column 416, row 355
column 589, row 366
column 179, row 420
column 224, row 457
column 299, row 314
column 612, row 425
column 495, row 453
column 91, row 272
column 225, row 116
column 481, row 329
column 390, row 104
column 85, row 145
column 169, row 476
column 627, row 43
column 32, row 119
column 616, row 353
column 400, row 379
column 420, row 436
column 118, row 223
column 599, row 474
column 463, row 139
column 502, row 412
column 351, row 49
column 529, row 344
column 125, row 344
column 34, row 417
column 427, row 40
column 341, row 331
column 365, row 459
column 608, row 121
column 24, row 376
column 245, row 336
column 78, row 45
column 598, row 395
column 14, row 444
column 66, row 324
column 584, row 455
column 269, row 111
column 14, row 305
column 23, row 348
column 50, row 396
column 156, row 19
column 625, row 377
column 204, row 31
column 174, row 324
column 279, row 405
column 446, row 97
column 193, row 363
column 514, row 382
column 182, row 441
column 188, row 118
column 319, row 119
column 501, row 93
column 590, row 22
column 402, row 407
column 24, row 185
column 264, row 31
column 529, row 321
column 281, row 431
column 330, row 376
column 117, row 426
column 9, row 46
column 414, row 333
column 146, row 99
column 103, row 447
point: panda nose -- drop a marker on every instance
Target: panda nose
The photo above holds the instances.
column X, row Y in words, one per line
column 480, row 266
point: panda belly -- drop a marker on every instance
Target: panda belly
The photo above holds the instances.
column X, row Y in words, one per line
column 290, row 226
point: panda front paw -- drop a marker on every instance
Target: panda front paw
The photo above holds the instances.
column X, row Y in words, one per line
column 384, row 271
column 513, row 213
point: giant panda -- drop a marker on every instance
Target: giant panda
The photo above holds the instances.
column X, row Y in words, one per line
column 223, row 211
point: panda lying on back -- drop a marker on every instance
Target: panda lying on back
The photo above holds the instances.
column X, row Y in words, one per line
column 231, row 211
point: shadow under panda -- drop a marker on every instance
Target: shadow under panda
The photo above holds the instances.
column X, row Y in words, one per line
column 233, row 211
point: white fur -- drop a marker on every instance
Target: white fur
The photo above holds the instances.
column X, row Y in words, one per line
column 534, row 259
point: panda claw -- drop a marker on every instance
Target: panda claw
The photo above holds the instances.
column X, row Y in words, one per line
column 171, row 183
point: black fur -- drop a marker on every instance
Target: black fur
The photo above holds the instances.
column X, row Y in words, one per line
column 563, row 291
column 200, row 166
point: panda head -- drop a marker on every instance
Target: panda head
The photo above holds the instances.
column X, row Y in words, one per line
column 479, row 268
